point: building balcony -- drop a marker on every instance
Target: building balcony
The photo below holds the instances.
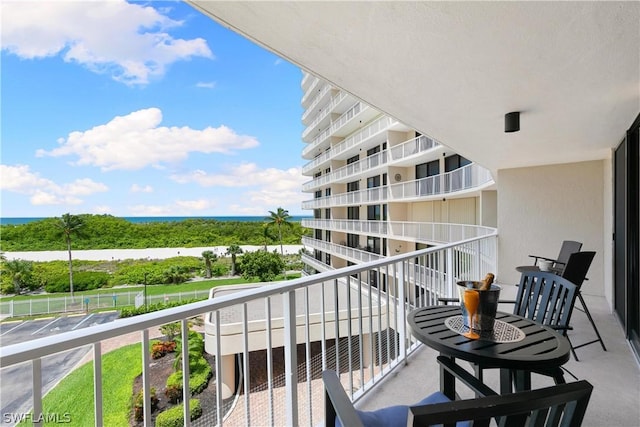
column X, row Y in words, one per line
column 465, row 179
column 316, row 106
column 347, row 123
column 336, row 105
column 349, row 146
column 430, row 233
column 312, row 92
column 332, row 320
column 355, row 255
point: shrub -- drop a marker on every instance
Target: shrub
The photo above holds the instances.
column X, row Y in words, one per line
column 138, row 412
column 82, row 281
column 174, row 417
column 173, row 393
column 161, row 348
column 199, row 376
column 132, row 311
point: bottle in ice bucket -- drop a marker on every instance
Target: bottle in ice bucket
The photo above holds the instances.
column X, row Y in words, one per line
column 479, row 304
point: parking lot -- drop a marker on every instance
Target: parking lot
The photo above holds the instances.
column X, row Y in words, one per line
column 17, row 400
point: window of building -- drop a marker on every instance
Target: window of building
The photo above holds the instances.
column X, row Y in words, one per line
column 353, row 159
column 373, row 181
column 424, row 170
column 318, row 234
column 327, row 192
column 353, row 240
column 327, row 213
column 327, row 236
column 373, row 213
column 353, row 212
column 372, row 151
column 373, row 245
column 316, row 213
column 353, row 186
column 454, row 162
column 318, row 194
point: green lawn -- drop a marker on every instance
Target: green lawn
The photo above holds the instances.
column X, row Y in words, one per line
column 72, row 398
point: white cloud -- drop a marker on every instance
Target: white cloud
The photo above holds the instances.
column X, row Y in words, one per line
column 247, row 175
column 136, row 141
column 127, row 40
column 179, row 208
column 265, row 188
column 135, row 188
column 102, row 209
column 206, row 85
column 278, row 61
column 20, row 179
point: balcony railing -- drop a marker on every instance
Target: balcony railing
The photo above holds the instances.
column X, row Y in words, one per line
column 314, row 105
column 470, row 177
column 337, row 99
column 352, row 320
column 410, row 148
column 421, row 232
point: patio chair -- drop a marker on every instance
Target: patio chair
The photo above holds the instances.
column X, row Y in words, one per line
column 563, row 404
column 557, row 265
column 576, row 272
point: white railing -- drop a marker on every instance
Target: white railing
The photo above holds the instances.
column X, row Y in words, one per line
column 356, row 255
column 421, row 232
column 414, row 146
column 352, row 320
column 469, row 177
column 465, row 178
column 335, row 125
column 312, row 108
column 327, row 110
column 311, row 92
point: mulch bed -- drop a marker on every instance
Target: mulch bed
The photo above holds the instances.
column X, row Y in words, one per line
column 159, row 371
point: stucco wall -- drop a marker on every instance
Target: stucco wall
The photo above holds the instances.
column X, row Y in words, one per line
column 539, row 207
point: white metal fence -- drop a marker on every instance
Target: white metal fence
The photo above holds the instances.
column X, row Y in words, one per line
column 352, row 320
column 61, row 305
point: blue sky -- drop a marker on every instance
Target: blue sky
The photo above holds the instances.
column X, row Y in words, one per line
column 145, row 109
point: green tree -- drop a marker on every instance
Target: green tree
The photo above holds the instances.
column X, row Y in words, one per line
column 234, row 250
column 279, row 218
column 209, row 258
column 19, row 273
column 262, row 264
column 69, row 226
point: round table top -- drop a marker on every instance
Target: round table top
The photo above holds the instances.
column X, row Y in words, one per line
column 542, row 347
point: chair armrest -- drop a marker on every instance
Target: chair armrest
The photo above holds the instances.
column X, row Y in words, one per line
column 537, row 257
column 560, row 328
column 337, row 403
column 446, row 301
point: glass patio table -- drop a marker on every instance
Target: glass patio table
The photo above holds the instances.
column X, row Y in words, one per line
column 517, row 346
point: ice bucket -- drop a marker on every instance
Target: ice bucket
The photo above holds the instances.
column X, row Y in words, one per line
column 483, row 303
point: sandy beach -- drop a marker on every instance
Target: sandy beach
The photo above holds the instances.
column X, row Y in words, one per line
column 150, row 253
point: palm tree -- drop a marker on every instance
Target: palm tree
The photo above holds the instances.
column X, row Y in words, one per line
column 19, row 272
column 209, row 257
column 233, row 250
column 280, row 217
column 70, row 225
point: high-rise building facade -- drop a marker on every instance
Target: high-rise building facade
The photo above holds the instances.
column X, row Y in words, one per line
column 378, row 187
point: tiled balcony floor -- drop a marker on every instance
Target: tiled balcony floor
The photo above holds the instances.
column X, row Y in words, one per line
column 615, row 374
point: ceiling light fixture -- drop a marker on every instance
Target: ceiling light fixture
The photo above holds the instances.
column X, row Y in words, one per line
column 512, row 121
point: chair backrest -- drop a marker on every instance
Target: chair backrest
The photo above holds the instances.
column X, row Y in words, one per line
column 545, row 298
column 568, row 247
column 577, row 267
column 559, row 405
column 563, row 404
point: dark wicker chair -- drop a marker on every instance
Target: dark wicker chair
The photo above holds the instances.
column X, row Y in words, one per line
column 559, row 405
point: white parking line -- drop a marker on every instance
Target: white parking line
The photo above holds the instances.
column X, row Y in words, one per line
column 82, row 321
column 14, row 328
column 47, row 325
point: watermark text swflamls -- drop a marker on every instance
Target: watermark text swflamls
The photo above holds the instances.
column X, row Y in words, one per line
column 48, row 417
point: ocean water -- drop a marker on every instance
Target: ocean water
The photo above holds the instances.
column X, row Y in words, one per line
column 140, row 219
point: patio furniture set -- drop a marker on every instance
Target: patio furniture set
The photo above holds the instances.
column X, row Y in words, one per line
column 531, row 340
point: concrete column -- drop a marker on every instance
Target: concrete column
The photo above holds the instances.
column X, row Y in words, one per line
column 228, row 375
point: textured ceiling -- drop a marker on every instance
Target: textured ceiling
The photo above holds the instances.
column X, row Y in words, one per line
column 453, row 69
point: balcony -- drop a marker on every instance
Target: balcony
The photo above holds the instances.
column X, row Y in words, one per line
column 299, row 318
column 422, row 232
column 465, row 179
column 336, row 105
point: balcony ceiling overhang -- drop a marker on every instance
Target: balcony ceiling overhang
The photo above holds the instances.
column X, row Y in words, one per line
column 453, row 69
